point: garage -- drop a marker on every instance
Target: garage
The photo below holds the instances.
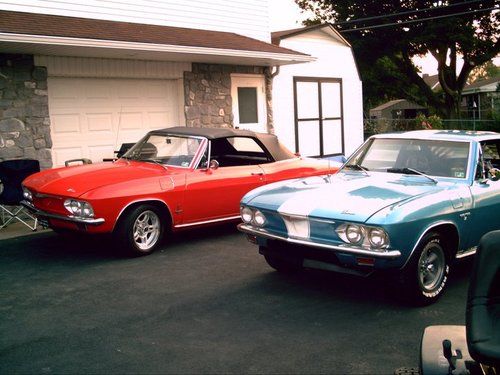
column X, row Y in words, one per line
column 92, row 117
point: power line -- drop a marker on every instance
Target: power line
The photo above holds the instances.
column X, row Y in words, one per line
column 411, row 12
column 414, row 21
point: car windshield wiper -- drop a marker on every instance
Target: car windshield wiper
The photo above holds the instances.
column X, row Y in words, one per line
column 357, row 167
column 153, row 161
column 411, row 171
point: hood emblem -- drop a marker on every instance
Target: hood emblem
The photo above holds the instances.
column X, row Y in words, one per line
column 71, row 190
column 347, row 212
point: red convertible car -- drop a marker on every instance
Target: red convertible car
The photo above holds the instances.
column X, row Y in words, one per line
column 172, row 179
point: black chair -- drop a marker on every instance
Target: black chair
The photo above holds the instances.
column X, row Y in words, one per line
column 12, row 174
column 483, row 303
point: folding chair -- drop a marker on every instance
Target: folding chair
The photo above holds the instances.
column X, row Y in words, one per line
column 12, row 174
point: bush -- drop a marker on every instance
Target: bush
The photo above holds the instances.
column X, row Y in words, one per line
column 428, row 122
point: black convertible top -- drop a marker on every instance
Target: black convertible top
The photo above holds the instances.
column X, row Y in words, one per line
column 269, row 141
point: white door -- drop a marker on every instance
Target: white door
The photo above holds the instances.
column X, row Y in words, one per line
column 91, row 117
column 249, row 102
column 319, row 129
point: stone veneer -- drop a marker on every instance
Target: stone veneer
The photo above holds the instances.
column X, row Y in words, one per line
column 207, row 94
column 24, row 110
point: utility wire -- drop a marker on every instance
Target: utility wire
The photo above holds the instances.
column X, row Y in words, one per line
column 413, row 21
column 411, row 12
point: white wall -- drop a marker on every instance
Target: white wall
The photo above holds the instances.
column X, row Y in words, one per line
column 245, row 17
column 334, row 60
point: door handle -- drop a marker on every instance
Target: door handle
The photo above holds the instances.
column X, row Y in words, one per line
column 257, row 173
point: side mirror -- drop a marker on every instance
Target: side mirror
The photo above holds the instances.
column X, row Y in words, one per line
column 214, row 164
column 494, row 174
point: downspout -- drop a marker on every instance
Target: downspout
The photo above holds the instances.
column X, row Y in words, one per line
column 269, row 74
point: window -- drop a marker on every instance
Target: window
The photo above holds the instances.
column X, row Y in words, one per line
column 247, row 105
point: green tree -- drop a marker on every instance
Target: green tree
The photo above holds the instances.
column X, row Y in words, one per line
column 414, row 28
column 487, row 70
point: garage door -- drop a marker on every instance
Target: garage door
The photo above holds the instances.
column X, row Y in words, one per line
column 90, row 118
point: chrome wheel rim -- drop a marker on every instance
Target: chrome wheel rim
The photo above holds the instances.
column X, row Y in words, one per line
column 146, row 230
column 431, row 267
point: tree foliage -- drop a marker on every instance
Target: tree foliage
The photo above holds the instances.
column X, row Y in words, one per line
column 384, row 54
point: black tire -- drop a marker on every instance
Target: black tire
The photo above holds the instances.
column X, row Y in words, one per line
column 425, row 277
column 282, row 265
column 140, row 230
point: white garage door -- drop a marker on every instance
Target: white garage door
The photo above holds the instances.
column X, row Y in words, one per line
column 90, row 118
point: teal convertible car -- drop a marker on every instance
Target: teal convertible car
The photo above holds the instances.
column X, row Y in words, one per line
column 408, row 204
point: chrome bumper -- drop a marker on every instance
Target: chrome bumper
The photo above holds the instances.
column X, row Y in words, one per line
column 72, row 219
column 392, row 254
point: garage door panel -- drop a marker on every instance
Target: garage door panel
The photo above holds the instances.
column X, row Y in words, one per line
column 157, row 120
column 131, row 121
column 100, row 122
column 66, row 123
column 92, row 117
column 60, row 155
column 101, row 152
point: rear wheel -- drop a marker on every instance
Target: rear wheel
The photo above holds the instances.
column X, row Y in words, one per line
column 141, row 229
column 426, row 275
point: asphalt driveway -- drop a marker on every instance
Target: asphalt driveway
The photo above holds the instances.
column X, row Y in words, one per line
column 206, row 303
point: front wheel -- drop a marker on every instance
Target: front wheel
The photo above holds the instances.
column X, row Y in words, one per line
column 140, row 231
column 425, row 276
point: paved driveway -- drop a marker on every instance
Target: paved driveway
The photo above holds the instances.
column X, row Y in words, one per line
column 206, row 303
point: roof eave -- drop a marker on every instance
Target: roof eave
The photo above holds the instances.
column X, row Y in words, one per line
column 132, row 50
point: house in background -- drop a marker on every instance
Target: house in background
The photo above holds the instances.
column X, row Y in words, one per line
column 481, row 99
column 399, row 109
column 78, row 79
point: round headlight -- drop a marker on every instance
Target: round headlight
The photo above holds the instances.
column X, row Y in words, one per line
column 354, row 233
column 246, row 214
column 27, row 194
column 377, row 237
column 259, row 218
column 79, row 208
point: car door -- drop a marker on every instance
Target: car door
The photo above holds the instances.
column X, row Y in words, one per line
column 486, row 196
column 214, row 193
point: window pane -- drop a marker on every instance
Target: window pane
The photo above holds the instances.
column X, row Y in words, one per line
column 332, row 137
column 307, row 100
column 330, row 99
column 243, row 144
column 309, row 138
column 247, row 105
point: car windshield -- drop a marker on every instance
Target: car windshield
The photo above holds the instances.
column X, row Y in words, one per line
column 412, row 156
column 170, row 150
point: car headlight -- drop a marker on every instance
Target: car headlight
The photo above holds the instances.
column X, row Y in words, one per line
column 367, row 237
column 246, row 214
column 259, row 218
column 79, row 208
column 377, row 237
column 354, row 233
column 27, row 194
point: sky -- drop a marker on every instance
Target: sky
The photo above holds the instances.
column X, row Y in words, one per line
column 285, row 14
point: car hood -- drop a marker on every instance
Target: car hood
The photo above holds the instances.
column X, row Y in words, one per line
column 75, row 181
column 345, row 196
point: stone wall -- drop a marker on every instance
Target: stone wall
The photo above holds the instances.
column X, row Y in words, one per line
column 24, row 110
column 207, row 94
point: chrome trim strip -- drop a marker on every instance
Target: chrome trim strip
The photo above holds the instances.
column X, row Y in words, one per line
column 139, row 201
column 466, row 253
column 425, row 231
column 70, row 218
column 392, row 254
column 207, row 221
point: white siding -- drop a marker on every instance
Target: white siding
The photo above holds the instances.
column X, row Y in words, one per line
column 245, row 17
column 334, row 60
column 61, row 66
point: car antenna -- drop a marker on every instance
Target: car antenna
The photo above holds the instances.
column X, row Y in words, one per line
column 118, row 128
